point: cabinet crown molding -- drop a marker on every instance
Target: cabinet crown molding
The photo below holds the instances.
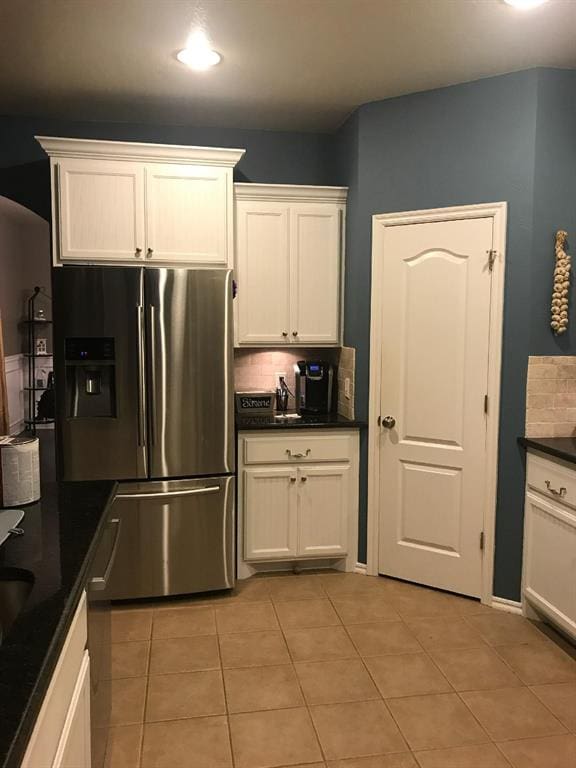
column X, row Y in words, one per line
column 95, row 149
column 290, row 193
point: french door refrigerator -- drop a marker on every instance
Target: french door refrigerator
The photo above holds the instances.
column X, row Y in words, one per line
column 144, row 395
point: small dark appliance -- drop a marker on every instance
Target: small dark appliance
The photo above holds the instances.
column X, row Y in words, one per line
column 315, row 386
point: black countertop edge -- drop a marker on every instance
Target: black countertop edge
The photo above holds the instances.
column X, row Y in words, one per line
column 560, row 447
column 61, row 534
column 245, row 422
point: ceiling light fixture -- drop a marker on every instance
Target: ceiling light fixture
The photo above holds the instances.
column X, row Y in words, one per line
column 525, row 5
column 199, row 54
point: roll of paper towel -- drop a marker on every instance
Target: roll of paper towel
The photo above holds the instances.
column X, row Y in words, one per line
column 19, row 471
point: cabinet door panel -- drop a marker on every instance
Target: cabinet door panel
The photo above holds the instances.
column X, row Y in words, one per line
column 187, row 212
column 550, row 560
column 263, row 272
column 74, row 748
column 269, row 514
column 101, row 206
column 315, row 270
column 323, row 510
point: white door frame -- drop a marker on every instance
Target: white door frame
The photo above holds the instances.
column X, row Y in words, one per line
column 498, row 212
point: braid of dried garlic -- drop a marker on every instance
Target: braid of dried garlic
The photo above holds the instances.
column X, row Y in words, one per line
column 559, row 322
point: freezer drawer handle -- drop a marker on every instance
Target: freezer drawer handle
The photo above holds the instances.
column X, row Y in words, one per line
column 99, row 583
column 161, row 494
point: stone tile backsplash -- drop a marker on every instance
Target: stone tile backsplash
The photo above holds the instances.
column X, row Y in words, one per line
column 551, row 396
column 258, row 369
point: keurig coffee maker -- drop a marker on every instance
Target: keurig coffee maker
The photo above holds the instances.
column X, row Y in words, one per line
column 315, row 386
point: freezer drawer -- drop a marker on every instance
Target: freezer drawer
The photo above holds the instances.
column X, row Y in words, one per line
column 176, row 537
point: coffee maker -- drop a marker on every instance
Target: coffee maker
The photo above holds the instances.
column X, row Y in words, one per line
column 315, row 387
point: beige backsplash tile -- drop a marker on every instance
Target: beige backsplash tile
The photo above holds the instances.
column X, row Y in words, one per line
column 551, row 396
column 257, row 369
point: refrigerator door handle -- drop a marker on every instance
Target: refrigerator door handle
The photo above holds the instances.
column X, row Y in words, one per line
column 152, row 375
column 141, row 379
column 163, row 494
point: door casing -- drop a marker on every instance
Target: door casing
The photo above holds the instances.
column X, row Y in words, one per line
column 498, row 212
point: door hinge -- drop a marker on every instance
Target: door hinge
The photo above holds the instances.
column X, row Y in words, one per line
column 485, row 403
column 482, row 540
column 491, row 258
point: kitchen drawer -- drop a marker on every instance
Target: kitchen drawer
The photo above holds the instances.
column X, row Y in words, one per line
column 553, row 478
column 297, row 449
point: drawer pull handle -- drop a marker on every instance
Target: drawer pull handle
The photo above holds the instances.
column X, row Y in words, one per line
column 299, row 455
column 561, row 492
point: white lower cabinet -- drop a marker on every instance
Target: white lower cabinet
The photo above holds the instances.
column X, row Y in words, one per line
column 549, row 573
column 295, row 502
column 61, row 736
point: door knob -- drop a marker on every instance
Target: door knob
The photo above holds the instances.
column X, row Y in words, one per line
column 389, row 422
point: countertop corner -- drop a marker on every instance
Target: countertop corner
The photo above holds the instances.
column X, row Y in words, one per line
column 560, row 447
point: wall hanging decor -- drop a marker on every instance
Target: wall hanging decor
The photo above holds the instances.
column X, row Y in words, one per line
column 559, row 322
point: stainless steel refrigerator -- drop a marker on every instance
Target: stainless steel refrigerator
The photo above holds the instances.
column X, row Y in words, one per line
column 144, row 395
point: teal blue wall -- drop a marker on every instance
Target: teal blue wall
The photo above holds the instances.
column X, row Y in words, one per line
column 503, row 138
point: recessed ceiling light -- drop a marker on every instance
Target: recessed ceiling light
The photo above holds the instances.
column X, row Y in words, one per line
column 199, row 54
column 199, row 59
column 525, row 5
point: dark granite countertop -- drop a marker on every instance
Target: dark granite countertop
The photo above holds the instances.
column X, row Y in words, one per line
column 61, row 533
column 560, row 447
column 325, row 421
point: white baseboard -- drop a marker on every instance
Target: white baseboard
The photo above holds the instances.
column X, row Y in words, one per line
column 510, row 606
column 361, row 568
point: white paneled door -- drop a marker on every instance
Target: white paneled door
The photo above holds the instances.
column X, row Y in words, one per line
column 435, row 333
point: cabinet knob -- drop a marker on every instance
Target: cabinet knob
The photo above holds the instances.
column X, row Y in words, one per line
column 138, row 252
column 285, row 333
column 292, row 479
column 294, row 333
column 304, row 478
column 149, row 253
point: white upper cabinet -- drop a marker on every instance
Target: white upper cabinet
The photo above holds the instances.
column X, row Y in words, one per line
column 128, row 203
column 262, row 259
column 289, row 264
column 187, row 213
column 100, row 210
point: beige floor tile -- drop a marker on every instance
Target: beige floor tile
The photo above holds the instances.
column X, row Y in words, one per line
column 253, row 649
column 123, row 749
column 406, row 674
column 296, row 588
column 130, row 659
column 337, row 585
column 436, row 721
column 184, row 622
column 356, row 729
column 539, row 663
column 333, row 682
column 254, row 688
column 319, row 644
column 274, row 738
column 202, row 742
column 475, row 669
column 249, row 590
column 401, row 760
column 560, row 698
column 549, row 752
column 184, row 654
column 298, row 614
column 418, row 602
column 185, row 694
column 443, row 633
column 501, row 628
column 247, row 617
column 512, row 713
column 368, row 609
column 128, row 697
column 131, row 624
column 478, row 756
column 380, row 638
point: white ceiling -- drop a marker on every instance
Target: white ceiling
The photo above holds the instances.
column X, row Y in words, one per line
column 287, row 64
